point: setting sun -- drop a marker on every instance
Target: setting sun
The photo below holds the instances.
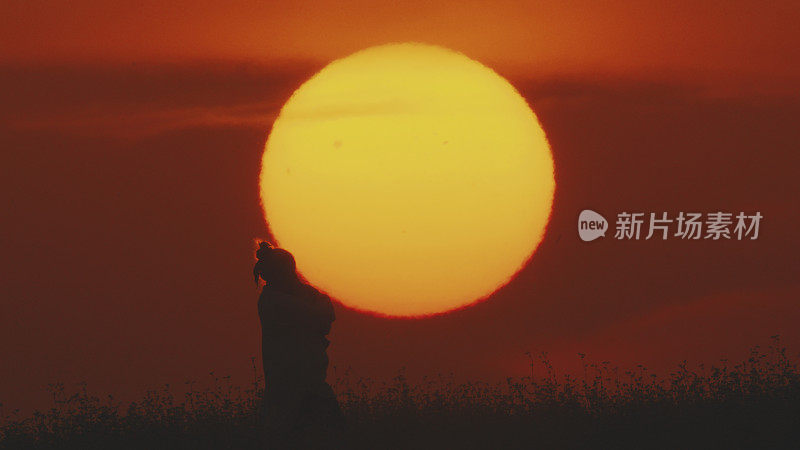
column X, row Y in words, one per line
column 407, row 180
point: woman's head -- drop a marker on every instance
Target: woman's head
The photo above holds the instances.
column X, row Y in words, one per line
column 274, row 265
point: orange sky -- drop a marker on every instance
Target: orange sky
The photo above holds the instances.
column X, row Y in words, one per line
column 734, row 38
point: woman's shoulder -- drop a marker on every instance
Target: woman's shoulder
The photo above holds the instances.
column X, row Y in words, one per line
column 320, row 300
column 313, row 293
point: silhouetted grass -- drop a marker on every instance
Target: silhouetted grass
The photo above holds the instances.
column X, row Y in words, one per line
column 752, row 404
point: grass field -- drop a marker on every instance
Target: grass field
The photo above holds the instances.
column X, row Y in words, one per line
column 754, row 403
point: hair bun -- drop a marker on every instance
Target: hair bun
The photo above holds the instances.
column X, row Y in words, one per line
column 274, row 264
column 264, row 250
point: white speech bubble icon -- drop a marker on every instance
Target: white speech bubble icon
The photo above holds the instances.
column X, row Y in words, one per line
column 591, row 225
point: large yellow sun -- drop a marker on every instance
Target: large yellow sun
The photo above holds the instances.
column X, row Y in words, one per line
column 407, row 180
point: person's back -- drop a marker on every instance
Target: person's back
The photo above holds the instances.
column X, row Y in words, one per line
column 294, row 328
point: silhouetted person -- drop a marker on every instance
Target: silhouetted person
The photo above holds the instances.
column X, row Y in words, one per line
column 295, row 320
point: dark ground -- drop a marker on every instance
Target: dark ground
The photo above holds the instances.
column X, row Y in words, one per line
column 752, row 404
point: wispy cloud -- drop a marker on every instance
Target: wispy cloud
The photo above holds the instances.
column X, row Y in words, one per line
column 145, row 99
